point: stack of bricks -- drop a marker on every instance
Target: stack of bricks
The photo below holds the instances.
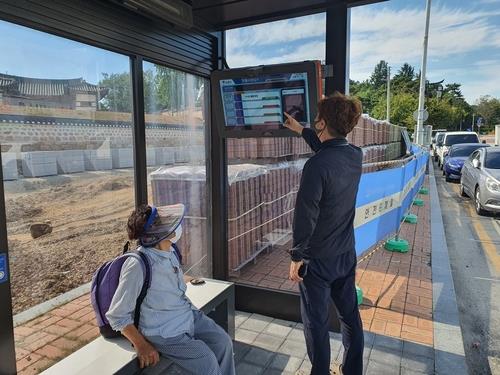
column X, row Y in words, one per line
column 260, row 200
column 187, row 185
column 259, row 204
column 244, row 212
column 252, row 148
column 261, row 196
column 369, row 132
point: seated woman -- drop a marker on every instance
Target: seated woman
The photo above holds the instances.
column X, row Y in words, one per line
column 169, row 323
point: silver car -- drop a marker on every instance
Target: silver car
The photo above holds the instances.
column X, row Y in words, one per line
column 481, row 179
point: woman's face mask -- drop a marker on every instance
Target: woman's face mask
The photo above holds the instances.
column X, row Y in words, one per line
column 177, row 235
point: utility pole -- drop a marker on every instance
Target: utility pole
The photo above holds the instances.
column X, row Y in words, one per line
column 473, row 115
column 421, row 99
column 388, row 117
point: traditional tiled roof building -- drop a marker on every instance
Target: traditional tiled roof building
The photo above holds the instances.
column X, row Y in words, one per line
column 50, row 93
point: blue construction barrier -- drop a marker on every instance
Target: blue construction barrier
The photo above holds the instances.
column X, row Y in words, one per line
column 385, row 197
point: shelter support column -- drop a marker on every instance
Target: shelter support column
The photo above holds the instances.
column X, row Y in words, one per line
column 338, row 23
column 7, row 346
column 139, row 133
column 217, row 180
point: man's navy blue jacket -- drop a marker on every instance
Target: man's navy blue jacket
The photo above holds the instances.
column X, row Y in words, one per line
column 324, row 211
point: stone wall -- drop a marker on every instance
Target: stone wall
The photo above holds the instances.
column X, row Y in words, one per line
column 55, row 137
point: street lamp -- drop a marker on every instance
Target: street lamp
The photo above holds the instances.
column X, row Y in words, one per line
column 388, row 115
column 421, row 97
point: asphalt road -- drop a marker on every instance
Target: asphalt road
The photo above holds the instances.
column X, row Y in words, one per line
column 474, row 250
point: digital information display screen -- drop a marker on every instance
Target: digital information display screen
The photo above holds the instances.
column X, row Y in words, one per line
column 262, row 100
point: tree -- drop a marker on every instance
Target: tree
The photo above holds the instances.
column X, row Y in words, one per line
column 453, row 90
column 407, row 72
column 379, row 76
column 404, row 80
column 119, row 97
column 489, row 109
column 444, row 115
column 366, row 93
column 451, row 111
column 161, row 90
column 402, row 107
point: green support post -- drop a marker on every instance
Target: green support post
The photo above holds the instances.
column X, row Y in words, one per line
column 397, row 244
column 411, row 218
column 418, row 202
column 359, row 295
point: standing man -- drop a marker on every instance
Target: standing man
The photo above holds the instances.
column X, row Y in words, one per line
column 323, row 253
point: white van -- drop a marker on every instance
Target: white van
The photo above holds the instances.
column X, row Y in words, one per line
column 453, row 138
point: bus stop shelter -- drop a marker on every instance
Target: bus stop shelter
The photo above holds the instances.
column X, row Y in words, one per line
column 197, row 50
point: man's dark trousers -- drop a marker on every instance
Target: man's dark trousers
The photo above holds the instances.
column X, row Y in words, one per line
column 332, row 279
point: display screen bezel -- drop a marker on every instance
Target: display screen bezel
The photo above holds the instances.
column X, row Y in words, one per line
column 311, row 68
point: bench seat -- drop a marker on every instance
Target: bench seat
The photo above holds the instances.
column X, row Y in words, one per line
column 117, row 356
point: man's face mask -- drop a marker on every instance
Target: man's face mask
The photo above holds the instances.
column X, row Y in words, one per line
column 318, row 131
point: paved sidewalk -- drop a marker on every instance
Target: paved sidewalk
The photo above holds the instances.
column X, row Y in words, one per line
column 398, row 286
column 54, row 335
column 269, row 347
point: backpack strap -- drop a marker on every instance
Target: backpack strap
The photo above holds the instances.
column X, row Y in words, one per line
column 126, row 247
column 145, row 286
column 177, row 253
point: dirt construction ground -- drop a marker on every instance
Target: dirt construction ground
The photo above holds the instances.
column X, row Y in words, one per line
column 88, row 213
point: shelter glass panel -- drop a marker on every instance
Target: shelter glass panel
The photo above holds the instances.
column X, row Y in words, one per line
column 176, row 135
column 263, row 180
column 66, row 143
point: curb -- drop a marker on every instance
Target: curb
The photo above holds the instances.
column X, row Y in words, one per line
column 449, row 355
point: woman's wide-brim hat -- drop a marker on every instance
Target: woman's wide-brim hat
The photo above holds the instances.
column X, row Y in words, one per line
column 163, row 221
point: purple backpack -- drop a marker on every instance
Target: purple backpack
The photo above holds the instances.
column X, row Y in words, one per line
column 105, row 282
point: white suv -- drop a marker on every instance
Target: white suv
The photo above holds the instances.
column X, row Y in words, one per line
column 453, row 138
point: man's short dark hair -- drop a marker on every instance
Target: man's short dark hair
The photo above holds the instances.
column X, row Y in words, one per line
column 340, row 112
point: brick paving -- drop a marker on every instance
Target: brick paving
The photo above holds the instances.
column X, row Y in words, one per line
column 397, row 287
column 52, row 336
column 397, row 307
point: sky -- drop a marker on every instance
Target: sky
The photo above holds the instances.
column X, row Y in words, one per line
column 464, row 41
column 31, row 53
column 464, row 45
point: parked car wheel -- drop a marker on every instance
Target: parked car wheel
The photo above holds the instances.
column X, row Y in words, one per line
column 447, row 178
column 462, row 190
column 479, row 208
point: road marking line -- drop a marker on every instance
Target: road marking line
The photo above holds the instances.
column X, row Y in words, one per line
column 486, row 279
column 489, row 248
column 481, row 241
